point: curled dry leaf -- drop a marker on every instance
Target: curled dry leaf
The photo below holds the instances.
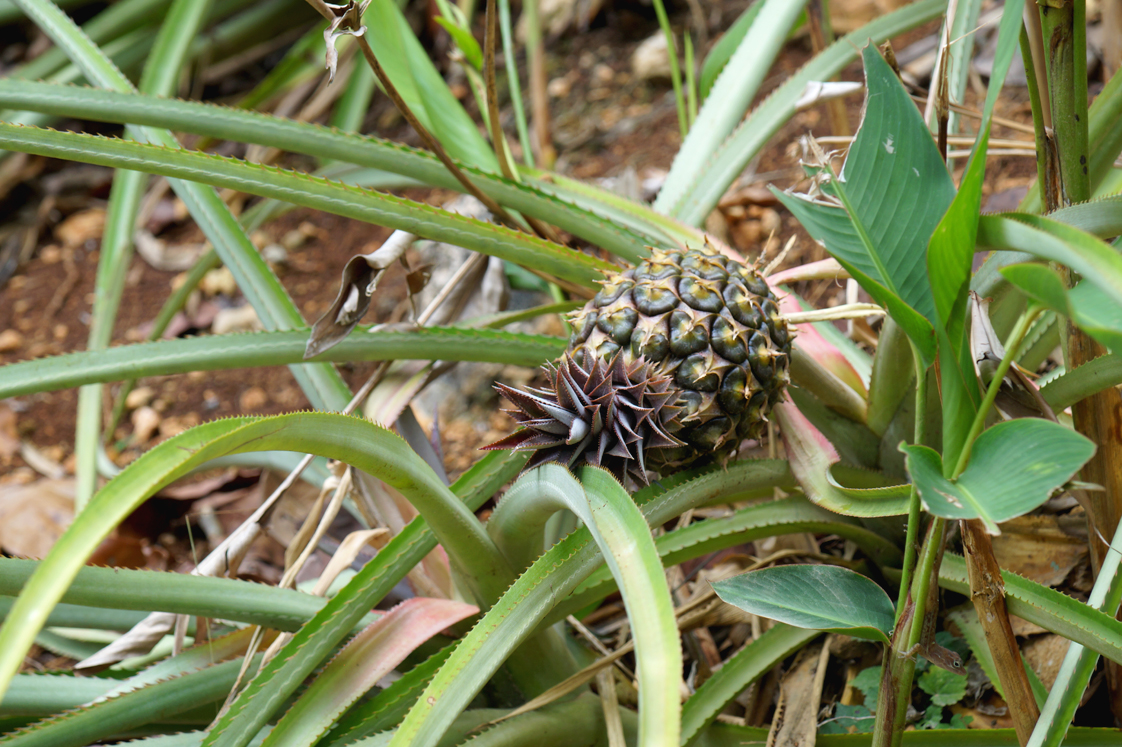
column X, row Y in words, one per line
column 360, row 277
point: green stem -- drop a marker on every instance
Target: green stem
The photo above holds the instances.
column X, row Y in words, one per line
column 899, row 665
column 675, row 72
column 920, row 433
column 1016, row 337
column 1066, row 42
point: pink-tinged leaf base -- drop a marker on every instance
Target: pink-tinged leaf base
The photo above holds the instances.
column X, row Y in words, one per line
column 811, row 342
column 369, row 657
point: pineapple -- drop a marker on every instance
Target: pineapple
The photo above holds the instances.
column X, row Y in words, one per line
column 673, row 363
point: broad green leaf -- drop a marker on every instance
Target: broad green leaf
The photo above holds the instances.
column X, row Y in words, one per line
column 368, row 447
column 950, row 253
column 893, row 191
column 726, row 164
column 738, row 672
column 1086, row 304
column 730, row 97
column 367, row 658
column 1094, row 259
column 353, row 202
column 818, row 597
column 246, row 350
column 945, row 688
column 1014, row 467
column 549, row 202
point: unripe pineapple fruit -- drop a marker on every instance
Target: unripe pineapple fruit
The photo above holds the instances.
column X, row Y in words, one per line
column 674, row 362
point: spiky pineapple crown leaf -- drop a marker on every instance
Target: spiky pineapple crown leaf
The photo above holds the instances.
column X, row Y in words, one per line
column 607, row 412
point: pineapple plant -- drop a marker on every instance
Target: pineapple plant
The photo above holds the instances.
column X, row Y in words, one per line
column 674, row 362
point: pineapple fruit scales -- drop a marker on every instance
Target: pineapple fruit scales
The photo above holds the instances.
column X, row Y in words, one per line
column 672, row 364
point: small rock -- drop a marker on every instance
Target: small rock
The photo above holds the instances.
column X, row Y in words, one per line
column 602, row 74
column 219, row 281
column 51, row 255
column 60, row 331
column 145, row 422
column 240, row 319
column 717, row 226
column 253, row 398
column 81, row 227
column 650, row 60
column 139, row 397
column 10, row 341
column 275, row 254
column 294, row 239
column 769, row 221
column 559, row 88
column 174, row 426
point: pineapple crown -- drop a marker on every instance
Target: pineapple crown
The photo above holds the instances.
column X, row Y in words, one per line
column 606, row 412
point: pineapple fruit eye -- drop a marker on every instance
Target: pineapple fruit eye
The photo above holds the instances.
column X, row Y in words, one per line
column 686, row 352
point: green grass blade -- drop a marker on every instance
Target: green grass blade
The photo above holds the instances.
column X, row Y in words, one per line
column 723, row 50
column 371, row 655
column 1047, row 608
column 386, row 709
column 368, row 447
column 323, row 143
column 43, row 693
column 731, row 96
column 280, row 678
column 321, row 383
column 550, row 579
column 510, row 61
column 738, row 672
column 93, row 723
column 769, row 519
column 700, row 196
column 160, row 78
column 247, row 350
column 308, row 191
column 180, row 593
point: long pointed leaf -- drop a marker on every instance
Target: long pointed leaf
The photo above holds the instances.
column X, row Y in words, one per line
column 324, row 143
column 352, row 440
column 320, row 382
column 353, row 202
column 268, row 349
